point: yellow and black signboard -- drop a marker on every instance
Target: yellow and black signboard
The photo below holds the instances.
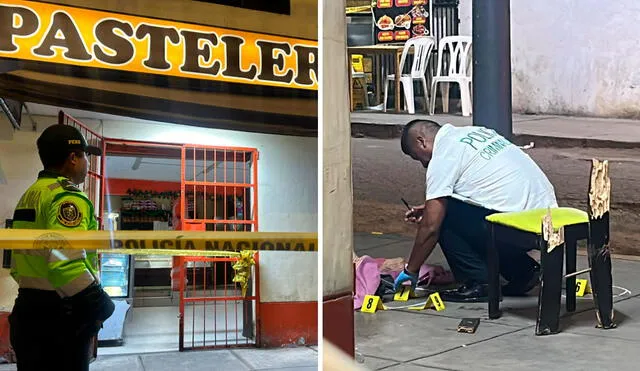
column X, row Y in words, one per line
column 158, row 242
column 60, row 34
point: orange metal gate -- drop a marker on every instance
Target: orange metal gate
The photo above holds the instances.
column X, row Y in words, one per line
column 213, row 311
column 219, row 188
column 94, row 184
column 219, row 192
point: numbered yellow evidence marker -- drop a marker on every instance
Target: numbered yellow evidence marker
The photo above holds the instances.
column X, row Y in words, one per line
column 403, row 295
column 582, row 287
column 371, row 304
column 433, row 301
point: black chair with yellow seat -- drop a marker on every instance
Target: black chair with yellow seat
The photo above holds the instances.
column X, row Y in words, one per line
column 554, row 231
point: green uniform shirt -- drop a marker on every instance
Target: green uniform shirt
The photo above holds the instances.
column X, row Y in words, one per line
column 53, row 202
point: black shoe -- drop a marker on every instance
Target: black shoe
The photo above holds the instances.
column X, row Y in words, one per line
column 519, row 288
column 467, row 293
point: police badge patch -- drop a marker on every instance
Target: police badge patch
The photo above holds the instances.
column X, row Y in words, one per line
column 69, row 215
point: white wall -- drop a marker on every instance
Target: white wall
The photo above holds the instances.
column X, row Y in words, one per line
column 465, row 14
column 287, row 191
column 164, row 169
column 574, row 57
column 20, row 163
column 288, row 276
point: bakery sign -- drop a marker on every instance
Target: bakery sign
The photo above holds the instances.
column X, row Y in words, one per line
column 58, row 34
column 400, row 20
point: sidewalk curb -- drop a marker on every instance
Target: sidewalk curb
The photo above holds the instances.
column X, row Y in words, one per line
column 378, row 131
column 562, row 142
column 393, row 131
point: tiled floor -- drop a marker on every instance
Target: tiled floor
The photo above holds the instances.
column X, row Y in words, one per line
column 151, row 343
column 288, row 359
column 156, row 329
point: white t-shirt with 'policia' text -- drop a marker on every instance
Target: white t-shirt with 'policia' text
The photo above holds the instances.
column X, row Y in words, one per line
column 477, row 165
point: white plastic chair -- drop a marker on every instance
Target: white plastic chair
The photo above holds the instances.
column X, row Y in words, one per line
column 458, row 70
column 423, row 46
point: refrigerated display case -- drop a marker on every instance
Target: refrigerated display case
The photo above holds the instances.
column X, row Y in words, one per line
column 115, row 275
column 116, row 270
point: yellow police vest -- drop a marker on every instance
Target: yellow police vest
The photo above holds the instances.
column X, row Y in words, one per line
column 54, row 203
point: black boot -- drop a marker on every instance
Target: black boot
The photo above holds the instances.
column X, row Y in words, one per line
column 471, row 292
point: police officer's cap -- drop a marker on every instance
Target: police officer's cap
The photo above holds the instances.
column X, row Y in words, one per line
column 65, row 138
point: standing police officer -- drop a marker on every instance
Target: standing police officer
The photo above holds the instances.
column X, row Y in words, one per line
column 60, row 304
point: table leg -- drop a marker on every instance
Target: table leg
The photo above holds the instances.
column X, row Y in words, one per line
column 349, row 68
column 494, row 275
column 379, row 78
column 398, row 73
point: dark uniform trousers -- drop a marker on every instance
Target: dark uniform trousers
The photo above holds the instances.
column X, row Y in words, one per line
column 41, row 337
column 463, row 239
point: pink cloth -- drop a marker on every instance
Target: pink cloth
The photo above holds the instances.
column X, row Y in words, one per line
column 368, row 277
column 367, row 280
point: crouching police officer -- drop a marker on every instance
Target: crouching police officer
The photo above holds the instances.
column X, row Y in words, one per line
column 60, row 304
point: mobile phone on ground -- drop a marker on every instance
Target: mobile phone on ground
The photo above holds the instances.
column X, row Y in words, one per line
column 469, row 325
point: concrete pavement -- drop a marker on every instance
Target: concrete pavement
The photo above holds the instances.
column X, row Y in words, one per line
column 400, row 339
column 285, row 359
column 545, row 130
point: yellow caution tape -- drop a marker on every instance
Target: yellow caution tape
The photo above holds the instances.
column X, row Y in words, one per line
column 243, row 270
column 205, row 253
column 157, row 242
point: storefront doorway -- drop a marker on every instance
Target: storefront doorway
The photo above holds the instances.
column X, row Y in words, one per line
column 153, row 186
column 244, row 80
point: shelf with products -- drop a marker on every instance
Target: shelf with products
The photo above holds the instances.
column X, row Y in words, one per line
column 141, row 208
column 144, row 216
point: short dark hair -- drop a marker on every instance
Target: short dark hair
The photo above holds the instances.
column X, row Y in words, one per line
column 54, row 159
column 405, row 140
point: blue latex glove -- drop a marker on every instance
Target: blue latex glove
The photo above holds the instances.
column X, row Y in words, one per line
column 403, row 277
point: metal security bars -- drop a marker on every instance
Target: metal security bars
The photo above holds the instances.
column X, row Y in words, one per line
column 213, row 311
column 219, row 188
column 94, row 184
column 446, row 19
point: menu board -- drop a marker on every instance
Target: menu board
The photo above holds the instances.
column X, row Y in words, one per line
column 400, row 20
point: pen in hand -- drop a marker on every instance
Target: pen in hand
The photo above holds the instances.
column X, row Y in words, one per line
column 406, row 204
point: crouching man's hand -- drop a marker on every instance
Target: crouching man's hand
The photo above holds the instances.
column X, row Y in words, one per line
column 414, row 215
column 403, row 277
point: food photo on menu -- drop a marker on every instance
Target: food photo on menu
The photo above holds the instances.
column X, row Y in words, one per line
column 400, row 20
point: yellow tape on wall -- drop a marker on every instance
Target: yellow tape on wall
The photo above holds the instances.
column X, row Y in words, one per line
column 160, row 242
